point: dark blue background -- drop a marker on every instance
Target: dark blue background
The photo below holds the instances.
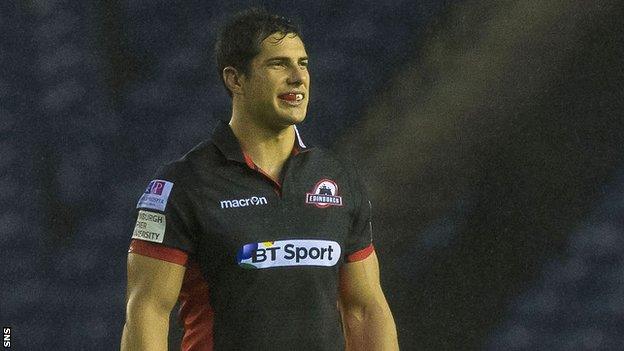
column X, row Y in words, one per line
column 95, row 95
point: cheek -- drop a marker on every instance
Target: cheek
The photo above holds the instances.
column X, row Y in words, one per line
column 266, row 89
column 261, row 92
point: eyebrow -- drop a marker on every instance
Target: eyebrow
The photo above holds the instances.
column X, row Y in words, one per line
column 285, row 58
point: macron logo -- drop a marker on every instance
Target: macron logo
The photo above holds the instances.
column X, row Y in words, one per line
column 252, row 201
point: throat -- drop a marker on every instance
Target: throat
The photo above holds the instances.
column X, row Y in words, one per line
column 270, row 165
column 266, row 148
column 273, row 172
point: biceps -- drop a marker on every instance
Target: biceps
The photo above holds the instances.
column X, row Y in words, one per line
column 359, row 283
column 152, row 283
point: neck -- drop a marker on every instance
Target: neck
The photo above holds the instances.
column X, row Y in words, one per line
column 268, row 147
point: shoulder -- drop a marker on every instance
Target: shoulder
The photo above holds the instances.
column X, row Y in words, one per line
column 174, row 181
column 185, row 168
column 329, row 158
column 338, row 163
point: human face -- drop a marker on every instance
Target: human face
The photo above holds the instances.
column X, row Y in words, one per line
column 276, row 90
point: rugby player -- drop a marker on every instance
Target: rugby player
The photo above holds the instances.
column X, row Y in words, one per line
column 266, row 243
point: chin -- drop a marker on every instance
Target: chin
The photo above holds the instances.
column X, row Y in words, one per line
column 297, row 119
column 292, row 118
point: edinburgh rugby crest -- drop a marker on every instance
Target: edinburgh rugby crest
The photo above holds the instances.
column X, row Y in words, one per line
column 324, row 194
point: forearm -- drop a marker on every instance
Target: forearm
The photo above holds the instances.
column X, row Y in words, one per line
column 145, row 329
column 370, row 328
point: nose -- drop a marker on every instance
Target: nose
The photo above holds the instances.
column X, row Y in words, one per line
column 297, row 76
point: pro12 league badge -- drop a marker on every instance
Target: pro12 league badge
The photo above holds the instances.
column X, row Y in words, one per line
column 156, row 195
column 324, row 194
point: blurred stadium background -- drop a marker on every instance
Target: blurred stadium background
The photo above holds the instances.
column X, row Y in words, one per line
column 489, row 132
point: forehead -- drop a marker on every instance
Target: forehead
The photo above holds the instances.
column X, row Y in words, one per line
column 277, row 44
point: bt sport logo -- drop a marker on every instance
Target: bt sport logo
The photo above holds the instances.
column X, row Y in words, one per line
column 285, row 253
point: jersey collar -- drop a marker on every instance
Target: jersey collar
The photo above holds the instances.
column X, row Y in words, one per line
column 224, row 139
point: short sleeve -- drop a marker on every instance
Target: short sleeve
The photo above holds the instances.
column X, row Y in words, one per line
column 359, row 243
column 165, row 214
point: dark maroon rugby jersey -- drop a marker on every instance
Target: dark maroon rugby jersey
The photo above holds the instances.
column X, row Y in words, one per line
column 262, row 255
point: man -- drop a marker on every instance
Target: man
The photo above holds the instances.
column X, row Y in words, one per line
column 266, row 243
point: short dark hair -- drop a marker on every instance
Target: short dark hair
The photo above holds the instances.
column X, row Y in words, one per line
column 240, row 38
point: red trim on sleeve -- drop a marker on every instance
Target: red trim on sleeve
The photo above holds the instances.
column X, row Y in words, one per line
column 361, row 254
column 159, row 252
column 196, row 313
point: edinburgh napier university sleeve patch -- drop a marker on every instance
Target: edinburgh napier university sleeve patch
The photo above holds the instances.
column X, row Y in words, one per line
column 150, row 226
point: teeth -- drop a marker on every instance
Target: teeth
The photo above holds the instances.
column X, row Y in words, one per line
column 299, row 97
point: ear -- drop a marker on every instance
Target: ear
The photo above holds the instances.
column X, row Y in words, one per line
column 233, row 80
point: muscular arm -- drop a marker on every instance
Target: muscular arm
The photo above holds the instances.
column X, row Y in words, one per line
column 153, row 288
column 367, row 321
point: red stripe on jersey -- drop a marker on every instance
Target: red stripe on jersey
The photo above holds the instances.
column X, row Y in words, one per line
column 295, row 151
column 250, row 163
column 361, row 254
column 160, row 252
column 196, row 314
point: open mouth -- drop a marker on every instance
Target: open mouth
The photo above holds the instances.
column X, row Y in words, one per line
column 292, row 97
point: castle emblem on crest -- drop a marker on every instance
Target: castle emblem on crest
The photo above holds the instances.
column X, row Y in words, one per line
column 324, row 194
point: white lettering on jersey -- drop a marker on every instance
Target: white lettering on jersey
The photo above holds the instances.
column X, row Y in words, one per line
column 252, row 201
column 284, row 253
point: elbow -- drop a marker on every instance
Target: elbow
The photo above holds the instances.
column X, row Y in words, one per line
column 375, row 310
column 369, row 327
column 139, row 311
